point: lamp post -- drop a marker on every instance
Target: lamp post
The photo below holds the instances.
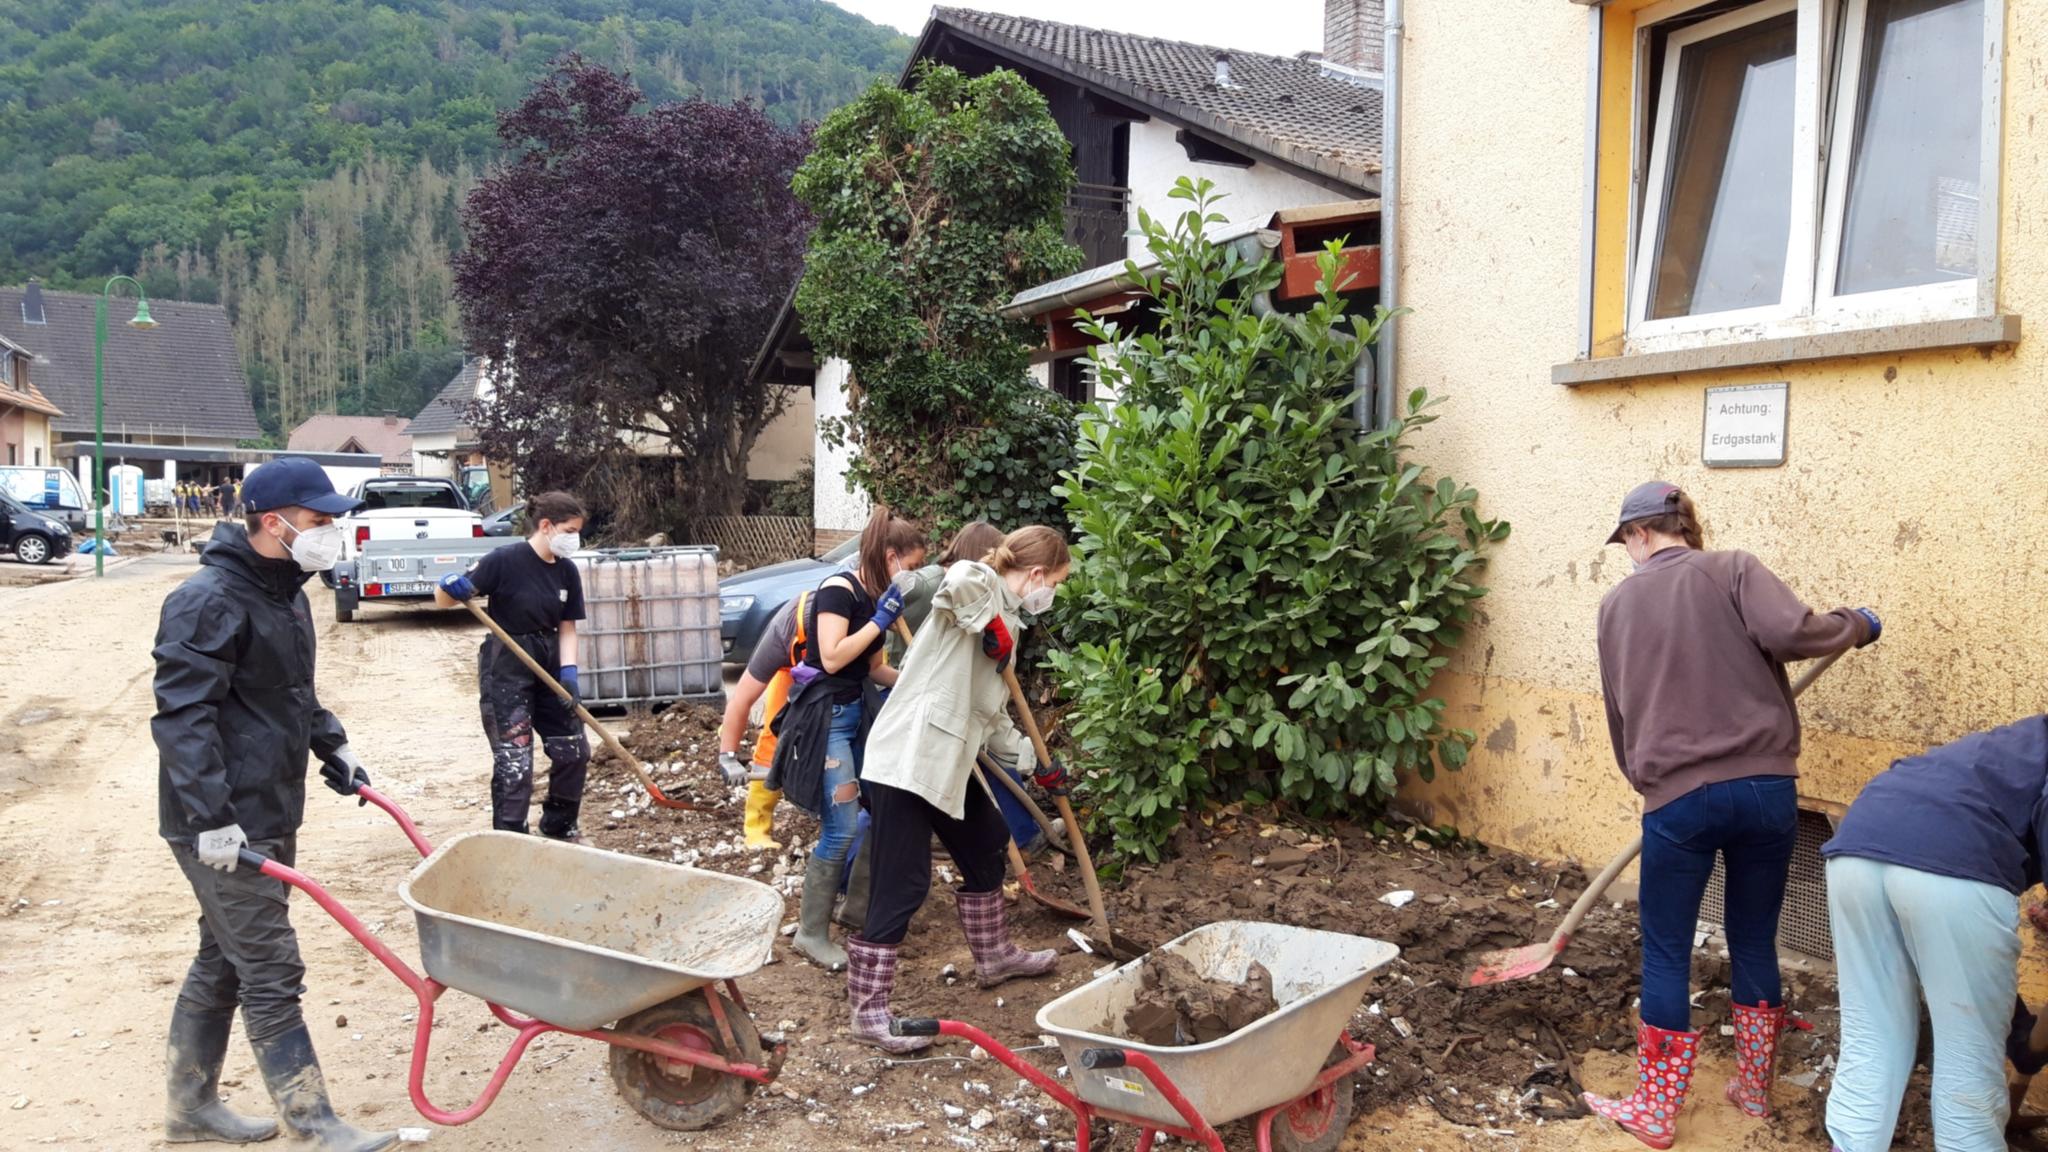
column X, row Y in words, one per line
column 143, row 322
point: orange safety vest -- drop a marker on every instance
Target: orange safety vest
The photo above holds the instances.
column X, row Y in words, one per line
column 778, row 688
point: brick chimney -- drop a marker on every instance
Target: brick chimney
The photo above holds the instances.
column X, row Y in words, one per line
column 1354, row 34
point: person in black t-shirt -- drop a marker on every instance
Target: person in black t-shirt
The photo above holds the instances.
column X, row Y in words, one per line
column 536, row 595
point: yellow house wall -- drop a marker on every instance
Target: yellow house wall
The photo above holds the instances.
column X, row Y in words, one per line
column 1913, row 483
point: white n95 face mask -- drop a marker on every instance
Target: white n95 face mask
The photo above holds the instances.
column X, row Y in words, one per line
column 565, row 544
column 1038, row 601
column 316, row 549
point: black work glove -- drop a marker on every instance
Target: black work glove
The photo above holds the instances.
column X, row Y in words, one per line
column 2018, row 1048
column 344, row 773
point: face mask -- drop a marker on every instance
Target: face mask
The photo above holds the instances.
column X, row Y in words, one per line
column 315, row 549
column 565, row 544
column 1038, row 601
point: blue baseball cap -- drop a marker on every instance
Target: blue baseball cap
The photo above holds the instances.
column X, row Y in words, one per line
column 294, row 481
column 1650, row 498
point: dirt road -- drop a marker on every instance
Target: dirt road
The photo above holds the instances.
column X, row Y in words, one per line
column 98, row 925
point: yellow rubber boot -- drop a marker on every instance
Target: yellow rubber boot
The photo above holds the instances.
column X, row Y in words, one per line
column 760, row 824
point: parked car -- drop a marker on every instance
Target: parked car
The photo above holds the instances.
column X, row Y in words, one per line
column 33, row 537
column 505, row 523
column 749, row 600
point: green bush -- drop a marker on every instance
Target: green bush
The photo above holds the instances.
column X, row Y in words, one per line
column 1262, row 591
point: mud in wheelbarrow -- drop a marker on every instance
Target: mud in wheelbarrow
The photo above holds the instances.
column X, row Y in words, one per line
column 561, row 938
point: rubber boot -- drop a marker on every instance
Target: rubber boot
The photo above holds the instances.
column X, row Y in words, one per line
column 760, row 825
column 814, row 916
column 292, row 1073
column 1664, row 1067
column 198, row 1045
column 870, row 978
column 1756, row 1057
column 988, row 937
column 853, row 910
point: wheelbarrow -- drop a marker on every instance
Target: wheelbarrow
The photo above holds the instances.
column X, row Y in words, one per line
column 556, row 937
column 1291, row 1071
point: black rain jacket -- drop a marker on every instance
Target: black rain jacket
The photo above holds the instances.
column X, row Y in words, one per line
column 235, row 709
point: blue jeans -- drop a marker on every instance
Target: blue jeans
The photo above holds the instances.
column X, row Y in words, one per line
column 842, row 785
column 1023, row 828
column 1901, row 934
column 1751, row 823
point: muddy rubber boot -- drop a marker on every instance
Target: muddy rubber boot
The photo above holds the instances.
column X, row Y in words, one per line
column 870, row 978
column 988, row 937
column 760, row 822
column 198, row 1045
column 1756, row 1057
column 292, row 1073
column 814, row 916
column 1664, row 1067
column 853, row 910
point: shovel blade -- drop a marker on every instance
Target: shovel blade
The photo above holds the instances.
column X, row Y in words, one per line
column 1513, row 964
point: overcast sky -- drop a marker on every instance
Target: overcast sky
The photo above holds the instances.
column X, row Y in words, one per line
column 1275, row 27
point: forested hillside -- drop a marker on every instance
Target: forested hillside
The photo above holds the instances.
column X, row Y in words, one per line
column 303, row 161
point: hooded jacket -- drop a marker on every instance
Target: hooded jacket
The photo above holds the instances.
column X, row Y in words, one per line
column 236, row 714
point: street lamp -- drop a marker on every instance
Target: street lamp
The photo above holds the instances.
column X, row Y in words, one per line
column 99, row 411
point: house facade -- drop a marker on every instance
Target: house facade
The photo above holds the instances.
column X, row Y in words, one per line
column 385, row 437
column 1270, row 132
column 26, row 414
column 1610, row 213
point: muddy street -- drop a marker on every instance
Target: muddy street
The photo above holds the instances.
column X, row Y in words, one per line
column 98, row 928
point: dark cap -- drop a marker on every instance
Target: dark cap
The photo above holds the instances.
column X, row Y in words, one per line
column 293, row 481
column 1651, row 498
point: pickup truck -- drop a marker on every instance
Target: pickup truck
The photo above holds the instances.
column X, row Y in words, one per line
column 410, row 531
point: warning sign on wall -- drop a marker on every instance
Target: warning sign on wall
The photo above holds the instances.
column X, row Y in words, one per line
column 1745, row 426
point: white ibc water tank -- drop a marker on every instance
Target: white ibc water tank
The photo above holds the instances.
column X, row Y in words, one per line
column 126, row 483
column 650, row 633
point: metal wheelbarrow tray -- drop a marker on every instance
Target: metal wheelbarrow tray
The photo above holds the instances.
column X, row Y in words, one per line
column 575, row 938
column 580, row 937
column 1277, row 1069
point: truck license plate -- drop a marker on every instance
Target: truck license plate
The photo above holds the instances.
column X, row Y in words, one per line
column 410, row 588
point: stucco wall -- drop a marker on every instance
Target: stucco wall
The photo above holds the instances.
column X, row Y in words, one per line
column 1912, row 483
column 834, row 508
column 1157, row 160
column 784, row 446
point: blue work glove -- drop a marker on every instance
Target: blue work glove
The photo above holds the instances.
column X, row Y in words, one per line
column 457, row 585
column 802, row 674
column 888, row 608
column 2017, row 1042
column 1051, row 777
column 568, row 679
column 1876, row 626
column 344, row 773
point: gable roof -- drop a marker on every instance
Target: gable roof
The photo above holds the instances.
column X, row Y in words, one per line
column 388, row 441
column 1293, row 110
column 448, row 411
column 182, row 377
column 31, row 398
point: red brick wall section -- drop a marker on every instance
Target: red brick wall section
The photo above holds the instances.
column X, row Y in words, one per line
column 1354, row 34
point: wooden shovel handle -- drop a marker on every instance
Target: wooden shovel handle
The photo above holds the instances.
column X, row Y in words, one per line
column 1029, row 720
column 582, row 713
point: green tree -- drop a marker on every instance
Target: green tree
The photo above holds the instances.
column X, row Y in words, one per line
column 1263, row 590
column 935, row 205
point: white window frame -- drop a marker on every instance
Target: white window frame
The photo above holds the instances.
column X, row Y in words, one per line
column 1808, row 305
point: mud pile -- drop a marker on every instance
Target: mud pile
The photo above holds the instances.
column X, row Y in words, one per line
column 1178, row 1006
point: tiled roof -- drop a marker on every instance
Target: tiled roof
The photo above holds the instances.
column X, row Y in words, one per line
column 388, row 440
column 1288, row 108
column 448, row 411
column 32, row 397
column 182, row 377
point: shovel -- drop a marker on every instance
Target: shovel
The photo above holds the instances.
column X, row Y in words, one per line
column 1516, row 963
column 569, row 698
column 1085, row 862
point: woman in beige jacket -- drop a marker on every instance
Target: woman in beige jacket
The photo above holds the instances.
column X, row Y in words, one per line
column 950, row 700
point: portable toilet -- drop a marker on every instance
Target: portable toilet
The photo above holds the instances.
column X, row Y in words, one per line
column 125, row 482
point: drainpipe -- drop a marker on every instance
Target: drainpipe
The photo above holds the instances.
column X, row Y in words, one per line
column 1390, row 216
column 1259, row 246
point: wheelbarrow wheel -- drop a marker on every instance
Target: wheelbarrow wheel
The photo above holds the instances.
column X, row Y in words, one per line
column 685, row 1097
column 1316, row 1122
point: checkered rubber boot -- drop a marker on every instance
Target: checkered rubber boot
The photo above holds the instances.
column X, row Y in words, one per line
column 1664, row 1067
column 1756, row 1057
column 870, row 977
column 988, row 937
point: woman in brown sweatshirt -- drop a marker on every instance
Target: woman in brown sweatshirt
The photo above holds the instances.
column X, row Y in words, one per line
column 1693, row 646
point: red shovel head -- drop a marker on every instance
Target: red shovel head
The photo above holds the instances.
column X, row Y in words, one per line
column 1514, row 963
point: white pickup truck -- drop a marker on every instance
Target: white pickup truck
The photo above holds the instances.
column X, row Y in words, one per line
column 410, row 531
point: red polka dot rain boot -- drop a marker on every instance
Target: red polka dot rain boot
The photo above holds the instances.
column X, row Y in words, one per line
column 1756, row 1057
column 1664, row 1067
